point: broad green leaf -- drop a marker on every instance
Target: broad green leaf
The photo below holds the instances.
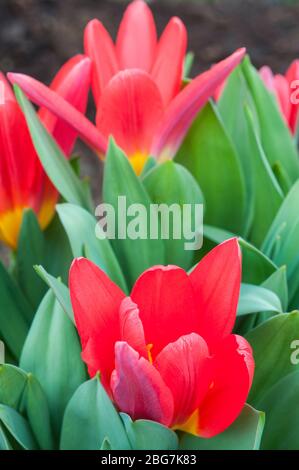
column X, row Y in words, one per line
column 244, row 434
column 189, row 59
column 210, row 156
column 171, row 186
column 54, row 162
column 18, row 427
column 14, row 313
column 277, row 283
column 281, row 407
column 81, row 228
column 30, row 251
column 59, row 289
column 22, row 392
column 276, row 138
column 267, row 194
column 90, row 418
column 149, row 435
column 271, row 343
column 52, row 352
column 57, row 242
column 257, row 299
column 130, row 203
column 4, row 442
column 232, row 110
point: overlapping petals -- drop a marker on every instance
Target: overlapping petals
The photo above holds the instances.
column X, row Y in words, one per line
column 24, row 184
column 137, row 87
column 167, row 352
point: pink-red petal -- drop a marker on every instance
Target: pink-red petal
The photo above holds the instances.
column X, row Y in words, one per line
column 137, row 37
column 131, row 328
column 131, row 107
column 167, row 71
column 233, row 373
column 185, row 367
column 100, row 48
column 72, row 83
column 292, row 77
column 164, row 296
column 138, row 388
column 216, row 283
column 186, row 105
column 43, row 96
column 96, row 301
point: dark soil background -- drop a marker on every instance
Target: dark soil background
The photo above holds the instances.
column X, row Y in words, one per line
column 37, row 36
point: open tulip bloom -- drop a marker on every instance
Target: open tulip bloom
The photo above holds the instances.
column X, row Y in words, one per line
column 138, row 87
column 167, row 352
column 23, row 182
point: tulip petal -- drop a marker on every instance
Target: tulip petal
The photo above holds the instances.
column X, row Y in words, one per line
column 283, row 95
column 71, row 83
column 166, row 305
column 186, row 105
column 185, row 368
column 137, row 37
column 131, row 328
column 100, row 48
column 96, row 301
column 216, row 282
column 267, row 77
column 234, row 367
column 292, row 77
column 167, row 71
column 138, row 388
column 43, row 96
column 131, row 106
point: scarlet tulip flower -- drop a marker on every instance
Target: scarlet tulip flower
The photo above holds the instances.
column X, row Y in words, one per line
column 23, row 182
column 284, row 88
column 167, row 352
column 137, row 87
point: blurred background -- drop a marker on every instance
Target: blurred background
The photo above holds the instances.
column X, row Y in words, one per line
column 37, row 36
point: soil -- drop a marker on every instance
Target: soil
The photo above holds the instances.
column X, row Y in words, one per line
column 37, row 36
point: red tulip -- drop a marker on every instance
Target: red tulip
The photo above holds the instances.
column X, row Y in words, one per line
column 24, row 184
column 283, row 87
column 137, row 87
column 167, row 352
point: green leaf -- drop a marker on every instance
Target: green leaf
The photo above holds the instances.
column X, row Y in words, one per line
column 18, row 427
column 4, row 442
column 149, row 435
column 22, row 392
column 277, row 283
column 30, row 251
column 210, row 156
column 188, row 64
column 52, row 352
column 276, row 138
column 267, row 194
column 57, row 242
column 54, row 162
column 60, row 291
column 271, row 343
column 14, row 313
column 257, row 299
column 232, row 110
column 90, row 418
column 134, row 252
column 172, row 185
column 81, row 228
column 244, row 434
column 282, row 411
